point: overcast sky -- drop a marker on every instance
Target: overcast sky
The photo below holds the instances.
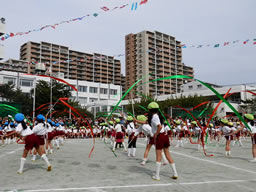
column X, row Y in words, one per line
column 193, row 22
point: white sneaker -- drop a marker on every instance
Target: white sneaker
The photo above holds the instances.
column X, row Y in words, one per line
column 156, row 178
column 252, row 160
column 143, row 163
column 19, row 172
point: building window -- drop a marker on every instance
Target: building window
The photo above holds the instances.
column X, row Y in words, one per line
column 93, row 90
column 82, row 100
column 113, row 92
column 26, row 83
column 190, row 87
column 104, row 91
column 199, row 86
column 8, row 80
column 82, row 88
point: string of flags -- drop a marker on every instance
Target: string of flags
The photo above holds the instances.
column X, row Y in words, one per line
column 134, row 6
column 225, row 44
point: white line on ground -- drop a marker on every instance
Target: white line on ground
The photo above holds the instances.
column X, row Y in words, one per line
column 209, row 161
column 138, row 186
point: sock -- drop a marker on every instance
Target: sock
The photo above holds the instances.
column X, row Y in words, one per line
column 198, row 146
column 174, row 169
column 124, row 146
column 226, row 153
column 44, row 157
column 114, row 146
column 133, row 152
column 229, row 152
column 57, row 143
column 9, row 141
column 158, row 166
column 22, row 162
column 129, row 152
column 144, row 160
column 33, row 158
column 51, row 151
column 181, row 143
column 240, row 142
column 164, row 158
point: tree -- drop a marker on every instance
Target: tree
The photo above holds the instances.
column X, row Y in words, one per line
column 10, row 94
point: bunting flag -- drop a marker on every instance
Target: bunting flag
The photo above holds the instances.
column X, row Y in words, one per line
column 54, row 26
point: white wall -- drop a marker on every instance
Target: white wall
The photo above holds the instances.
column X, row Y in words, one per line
column 85, row 97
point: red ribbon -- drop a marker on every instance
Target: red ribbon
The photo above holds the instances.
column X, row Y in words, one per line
column 206, row 102
column 73, row 109
column 57, row 79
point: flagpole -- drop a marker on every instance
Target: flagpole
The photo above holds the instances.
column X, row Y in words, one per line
column 51, row 91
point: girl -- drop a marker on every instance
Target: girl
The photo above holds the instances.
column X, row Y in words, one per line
column 40, row 131
column 161, row 140
column 130, row 129
column 249, row 118
column 119, row 135
column 227, row 129
column 31, row 140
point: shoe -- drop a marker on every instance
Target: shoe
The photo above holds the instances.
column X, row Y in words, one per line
column 165, row 163
column 33, row 160
column 19, row 172
column 174, row 177
column 143, row 163
column 156, row 178
column 58, row 148
column 252, row 160
column 49, row 168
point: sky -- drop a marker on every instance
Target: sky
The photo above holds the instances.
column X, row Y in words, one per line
column 193, row 22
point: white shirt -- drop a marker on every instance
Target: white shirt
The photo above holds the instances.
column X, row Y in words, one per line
column 146, row 129
column 39, row 129
column 118, row 128
column 49, row 128
column 23, row 132
column 155, row 121
column 253, row 128
column 130, row 128
column 226, row 130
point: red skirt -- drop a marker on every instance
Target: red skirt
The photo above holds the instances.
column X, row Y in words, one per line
column 119, row 137
column 50, row 136
column 31, row 141
column 41, row 139
column 151, row 141
column 162, row 141
column 230, row 137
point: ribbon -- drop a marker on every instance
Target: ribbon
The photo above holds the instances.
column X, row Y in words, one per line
column 204, row 103
column 73, row 109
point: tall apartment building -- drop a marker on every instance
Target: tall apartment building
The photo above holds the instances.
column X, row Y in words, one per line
column 159, row 55
column 70, row 64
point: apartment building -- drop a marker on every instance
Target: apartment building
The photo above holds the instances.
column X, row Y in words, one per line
column 70, row 64
column 152, row 55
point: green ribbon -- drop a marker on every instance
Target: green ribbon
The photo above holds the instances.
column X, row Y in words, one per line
column 226, row 102
column 142, row 108
column 202, row 112
column 124, row 96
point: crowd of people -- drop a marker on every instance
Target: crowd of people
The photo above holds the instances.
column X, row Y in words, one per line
column 41, row 135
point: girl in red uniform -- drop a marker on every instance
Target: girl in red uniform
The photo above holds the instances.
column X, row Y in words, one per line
column 31, row 140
